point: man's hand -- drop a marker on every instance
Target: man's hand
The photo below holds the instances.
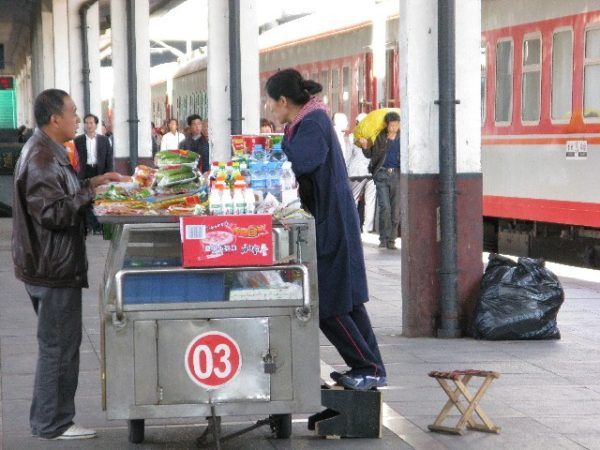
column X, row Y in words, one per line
column 106, row 178
column 363, row 143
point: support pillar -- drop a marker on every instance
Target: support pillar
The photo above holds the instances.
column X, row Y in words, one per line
column 420, row 163
column 219, row 106
column 118, row 9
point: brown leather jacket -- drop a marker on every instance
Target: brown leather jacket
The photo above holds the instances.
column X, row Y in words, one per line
column 48, row 241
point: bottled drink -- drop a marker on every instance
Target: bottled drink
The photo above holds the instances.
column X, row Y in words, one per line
column 215, row 206
column 227, row 202
column 239, row 201
column 250, row 201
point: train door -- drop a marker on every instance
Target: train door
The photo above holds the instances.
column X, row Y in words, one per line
column 325, row 83
column 392, row 91
column 8, row 103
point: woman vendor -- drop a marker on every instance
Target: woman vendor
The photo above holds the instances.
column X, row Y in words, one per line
column 311, row 144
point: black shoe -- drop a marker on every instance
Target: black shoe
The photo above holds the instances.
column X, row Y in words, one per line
column 391, row 246
column 382, row 245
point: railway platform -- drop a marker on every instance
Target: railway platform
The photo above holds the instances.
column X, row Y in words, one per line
column 548, row 395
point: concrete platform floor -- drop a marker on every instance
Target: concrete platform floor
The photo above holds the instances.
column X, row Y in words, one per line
column 548, row 396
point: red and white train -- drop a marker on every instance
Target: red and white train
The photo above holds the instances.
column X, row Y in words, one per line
column 540, row 114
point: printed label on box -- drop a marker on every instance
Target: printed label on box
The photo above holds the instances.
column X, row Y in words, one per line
column 227, row 241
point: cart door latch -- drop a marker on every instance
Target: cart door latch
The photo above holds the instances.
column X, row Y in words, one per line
column 269, row 363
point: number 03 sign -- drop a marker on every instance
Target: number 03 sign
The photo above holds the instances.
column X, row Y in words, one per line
column 212, row 359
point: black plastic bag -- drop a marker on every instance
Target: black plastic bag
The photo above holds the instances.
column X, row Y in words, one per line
column 517, row 301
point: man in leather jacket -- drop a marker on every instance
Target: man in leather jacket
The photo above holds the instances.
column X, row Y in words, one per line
column 48, row 249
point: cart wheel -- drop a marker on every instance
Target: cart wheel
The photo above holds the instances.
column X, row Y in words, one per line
column 136, row 430
column 281, row 424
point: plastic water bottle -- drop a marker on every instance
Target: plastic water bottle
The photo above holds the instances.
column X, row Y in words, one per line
column 244, row 172
column 277, row 154
column 258, row 153
column 258, row 176
column 289, row 193
column 274, row 179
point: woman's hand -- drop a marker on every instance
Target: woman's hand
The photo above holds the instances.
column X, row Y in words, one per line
column 363, row 143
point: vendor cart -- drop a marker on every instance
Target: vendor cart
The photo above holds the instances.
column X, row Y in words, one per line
column 179, row 342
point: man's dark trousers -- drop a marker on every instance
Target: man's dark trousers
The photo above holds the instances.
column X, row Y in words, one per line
column 57, row 371
column 387, row 184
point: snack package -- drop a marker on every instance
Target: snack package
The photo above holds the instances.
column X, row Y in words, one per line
column 175, row 174
column 144, row 175
column 174, row 157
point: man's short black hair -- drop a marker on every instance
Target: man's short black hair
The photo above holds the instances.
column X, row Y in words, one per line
column 91, row 115
column 193, row 117
column 392, row 116
column 48, row 102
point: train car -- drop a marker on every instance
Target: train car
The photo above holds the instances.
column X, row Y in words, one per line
column 189, row 90
column 541, row 129
column 336, row 52
column 333, row 51
column 540, row 110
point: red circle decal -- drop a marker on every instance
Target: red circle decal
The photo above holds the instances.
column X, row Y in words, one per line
column 212, row 359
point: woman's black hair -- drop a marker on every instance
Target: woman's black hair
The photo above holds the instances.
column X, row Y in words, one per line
column 290, row 84
column 392, row 116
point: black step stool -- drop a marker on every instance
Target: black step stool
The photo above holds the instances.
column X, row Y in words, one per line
column 349, row 414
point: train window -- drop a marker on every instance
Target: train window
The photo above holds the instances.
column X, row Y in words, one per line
column 483, row 79
column 591, row 89
column 361, row 85
column 346, row 90
column 504, row 77
column 325, row 84
column 531, row 79
column 562, row 74
column 335, row 90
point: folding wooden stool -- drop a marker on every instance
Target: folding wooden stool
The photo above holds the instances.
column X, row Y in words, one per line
column 461, row 379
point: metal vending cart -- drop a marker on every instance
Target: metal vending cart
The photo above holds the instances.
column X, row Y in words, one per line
column 180, row 342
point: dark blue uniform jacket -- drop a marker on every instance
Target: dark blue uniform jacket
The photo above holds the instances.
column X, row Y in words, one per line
column 318, row 164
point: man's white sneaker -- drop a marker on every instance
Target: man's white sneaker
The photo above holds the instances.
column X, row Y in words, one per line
column 76, row 432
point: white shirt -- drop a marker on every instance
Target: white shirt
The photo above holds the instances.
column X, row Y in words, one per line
column 171, row 141
column 90, row 145
column 357, row 163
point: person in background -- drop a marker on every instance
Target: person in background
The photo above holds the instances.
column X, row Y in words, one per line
column 196, row 142
column 311, row 145
column 72, row 155
column 171, row 139
column 154, row 136
column 49, row 256
column 266, row 126
column 22, row 134
column 358, row 166
column 106, row 131
column 385, row 168
column 95, row 158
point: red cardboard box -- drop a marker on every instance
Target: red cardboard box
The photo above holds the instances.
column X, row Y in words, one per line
column 227, row 241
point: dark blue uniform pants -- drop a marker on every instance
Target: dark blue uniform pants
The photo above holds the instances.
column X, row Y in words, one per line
column 352, row 335
column 57, row 371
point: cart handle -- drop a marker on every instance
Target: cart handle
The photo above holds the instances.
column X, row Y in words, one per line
column 303, row 312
